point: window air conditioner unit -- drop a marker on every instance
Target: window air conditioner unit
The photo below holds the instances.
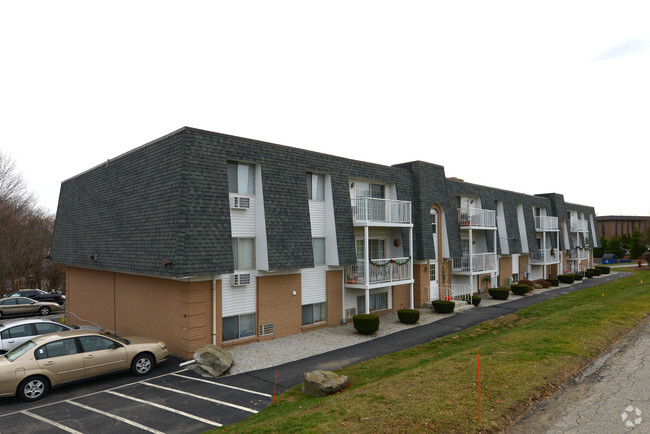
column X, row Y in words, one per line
column 240, row 279
column 240, row 202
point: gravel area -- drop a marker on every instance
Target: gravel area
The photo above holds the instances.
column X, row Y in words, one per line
column 265, row 354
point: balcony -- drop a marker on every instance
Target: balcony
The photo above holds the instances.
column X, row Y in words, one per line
column 382, row 272
column 477, row 263
column 476, row 218
column 543, row 257
column 577, row 254
column 380, row 212
column 546, row 224
column 579, row 225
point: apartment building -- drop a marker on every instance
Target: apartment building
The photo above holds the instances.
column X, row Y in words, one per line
column 200, row 237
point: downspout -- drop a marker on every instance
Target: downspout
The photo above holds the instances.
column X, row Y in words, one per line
column 344, row 279
column 214, row 310
column 412, row 304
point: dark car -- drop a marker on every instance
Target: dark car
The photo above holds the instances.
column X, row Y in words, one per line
column 38, row 295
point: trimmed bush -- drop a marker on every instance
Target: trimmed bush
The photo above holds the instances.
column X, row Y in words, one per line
column 500, row 293
column 596, row 271
column 519, row 289
column 366, row 324
column 544, row 283
column 577, row 276
column 603, row 269
column 566, row 278
column 408, row 316
column 589, row 274
column 526, row 282
column 553, row 282
column 476, row 300
column 443, row 306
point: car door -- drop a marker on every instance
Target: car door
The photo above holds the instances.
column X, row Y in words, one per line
column 14, row 336
column 61, row 360
column 25, row 306
column 102, row 355
column 9, row 306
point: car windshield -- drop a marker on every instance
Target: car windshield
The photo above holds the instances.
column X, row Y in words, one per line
column 19, row 350
column 124, row 341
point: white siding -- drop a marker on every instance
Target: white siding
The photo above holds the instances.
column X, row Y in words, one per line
column 317, row 216
column 523, row 236
column 242, row 221
column 237, row 300
column 501, row 227
column 314, row 288
column 515, row 263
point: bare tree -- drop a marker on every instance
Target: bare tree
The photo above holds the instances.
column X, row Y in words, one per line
column 25, row 236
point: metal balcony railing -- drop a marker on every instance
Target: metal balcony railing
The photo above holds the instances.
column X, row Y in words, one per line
column 390, row 270
column 476, row 217
column 480, row 262
column 577, row 254
column 546, row 223
column 579, row 225
column 544, row 256
column 369, row 210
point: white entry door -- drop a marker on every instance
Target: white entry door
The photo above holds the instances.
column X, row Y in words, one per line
column 434, row 291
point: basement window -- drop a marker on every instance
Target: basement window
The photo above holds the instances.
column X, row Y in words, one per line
column 313, row 313
column 238, row 327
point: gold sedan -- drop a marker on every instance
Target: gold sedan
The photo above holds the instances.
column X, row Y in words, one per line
column 25, row 306
column 32, row 368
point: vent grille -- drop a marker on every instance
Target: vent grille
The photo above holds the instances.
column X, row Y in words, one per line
column 240, row 202
column 267, row 329
column 240, row 279
column 349, row 313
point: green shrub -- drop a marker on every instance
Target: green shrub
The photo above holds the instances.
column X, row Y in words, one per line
column 500, row 293
column 366, row 324
column 589, row 274
column 408, row 316
column 603, row 269
column 566, row 278
column 520, row 289
column 577, row 276
column 553, row 282
column 443, row 306
column 596, row 271
column 476, row 300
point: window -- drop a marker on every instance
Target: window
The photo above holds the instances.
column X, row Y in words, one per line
column 319, row 251
column 9, row 301
column 97, row 343
column 377, row 249
column 313, row 313
column 432, row 272
column 17, row 332
column 244, row 253
column 63, row 347
column 238, row 326
column 316, row 186
column 241, row 178
column 44, row 328
column 365, row 189
column 515, row 277
column 377, row 301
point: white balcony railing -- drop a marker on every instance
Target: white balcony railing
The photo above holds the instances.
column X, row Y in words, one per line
column 390, row 270
column 480, row 262
column 579, row 225
column 544, row 256
column 546, row 223
column 477, row 217
column 455, row 292
column 577, row 254
column 369, row 210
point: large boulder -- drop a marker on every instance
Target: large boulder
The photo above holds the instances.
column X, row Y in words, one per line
column 322, row 383
column 212, row 361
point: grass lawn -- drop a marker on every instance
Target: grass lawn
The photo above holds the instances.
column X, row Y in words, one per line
column 524, row 356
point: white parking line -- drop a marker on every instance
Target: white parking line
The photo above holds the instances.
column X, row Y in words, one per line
column 164, row 407
column 223, row 385
column 121, row 419
column 250, row 410
column 50, row 422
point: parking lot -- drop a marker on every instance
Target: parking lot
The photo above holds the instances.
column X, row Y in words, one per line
column 170, row 400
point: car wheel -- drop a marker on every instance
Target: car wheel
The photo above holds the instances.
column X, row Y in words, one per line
column 44, row 310
column 33, row 388
column 142, row 364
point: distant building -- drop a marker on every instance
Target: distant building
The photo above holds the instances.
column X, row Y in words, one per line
column 619, row 225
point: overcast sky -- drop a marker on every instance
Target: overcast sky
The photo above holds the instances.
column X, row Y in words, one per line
column 534, row 97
